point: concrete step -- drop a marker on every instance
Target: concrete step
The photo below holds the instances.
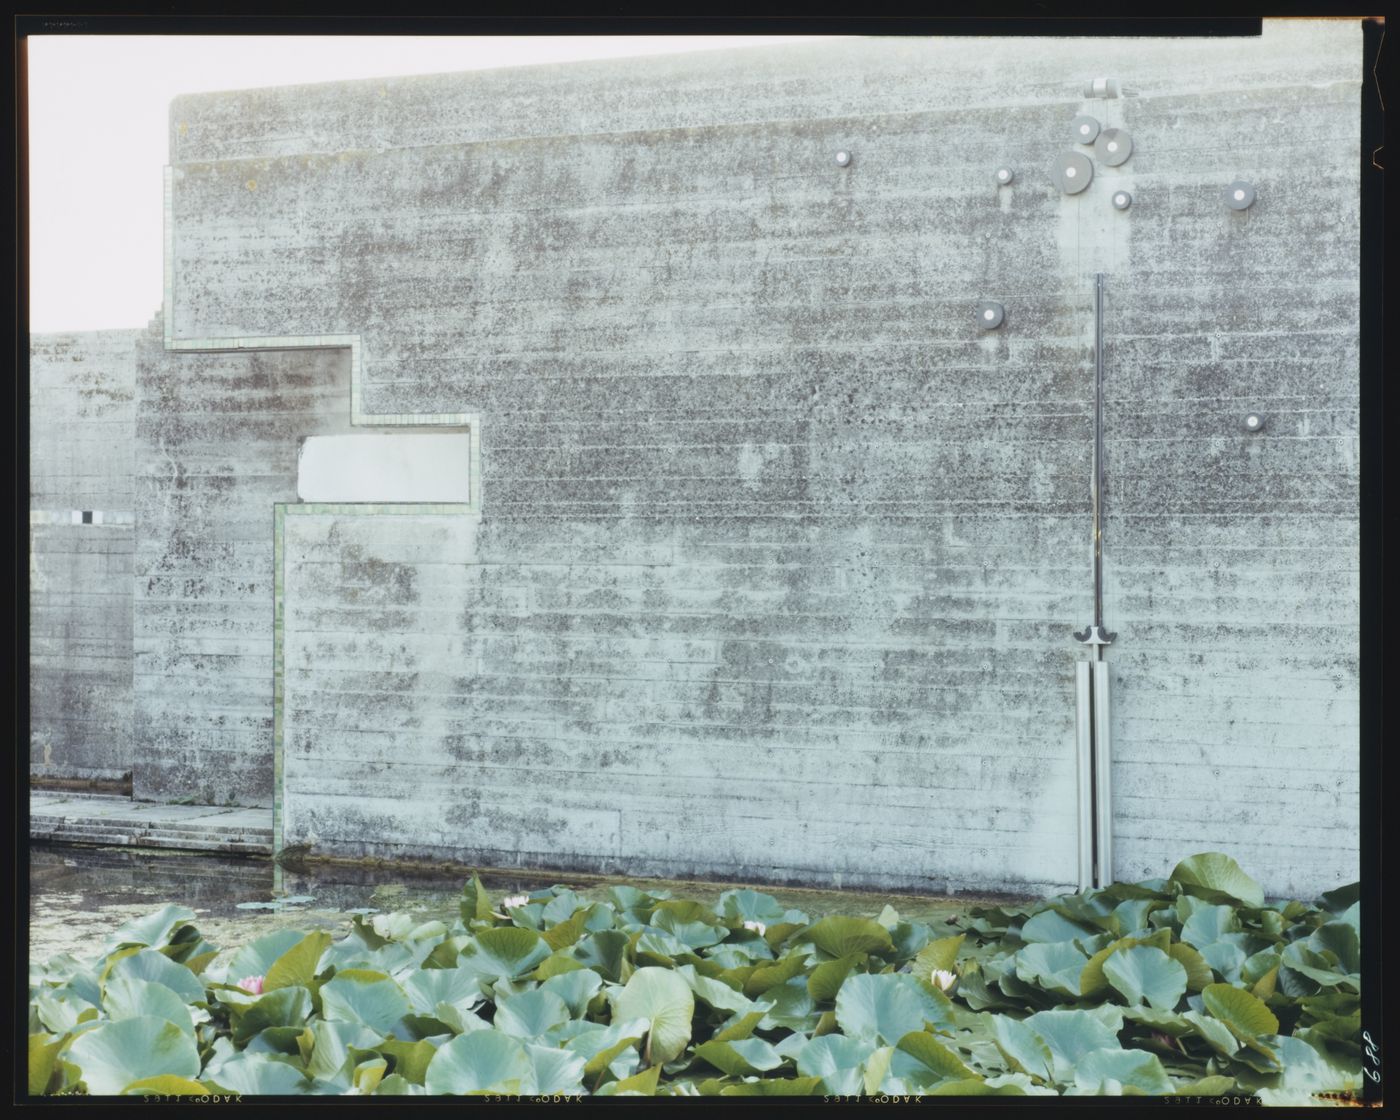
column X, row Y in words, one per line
column 118, row 821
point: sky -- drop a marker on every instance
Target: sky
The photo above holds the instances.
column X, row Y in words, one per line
column 97, row 137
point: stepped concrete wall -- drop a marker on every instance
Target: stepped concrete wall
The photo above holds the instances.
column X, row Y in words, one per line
column 777, row 554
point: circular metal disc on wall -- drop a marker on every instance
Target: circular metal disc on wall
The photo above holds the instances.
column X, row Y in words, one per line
column 1072, row 172
column 990, row 315
column 1122, row 200
column 1084, row 129
column 1113, row 146
column 1239, row 195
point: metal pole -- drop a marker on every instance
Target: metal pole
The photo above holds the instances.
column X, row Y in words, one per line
column 1083, row 733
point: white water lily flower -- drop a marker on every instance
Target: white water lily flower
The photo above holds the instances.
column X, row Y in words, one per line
column 943, row 978
column 757, row 927
column 515, row 900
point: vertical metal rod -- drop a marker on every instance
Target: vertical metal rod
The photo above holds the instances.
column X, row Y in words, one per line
column 1103, row 771
column 1083, row 730
column 1098, row 459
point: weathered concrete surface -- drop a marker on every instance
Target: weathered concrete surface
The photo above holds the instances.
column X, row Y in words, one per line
column 386, row 467
column 216, row 446
column 779, row 554
column 97, row 819
column 81, row 417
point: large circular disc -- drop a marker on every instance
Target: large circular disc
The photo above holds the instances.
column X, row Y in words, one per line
column 1113, row 146
column 1072, row 172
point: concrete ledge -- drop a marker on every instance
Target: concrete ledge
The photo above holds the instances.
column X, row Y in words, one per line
column 107, row 819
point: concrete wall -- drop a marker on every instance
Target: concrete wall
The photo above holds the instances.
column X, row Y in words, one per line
column 81, row 414
column 216, row 445
column 779, row 555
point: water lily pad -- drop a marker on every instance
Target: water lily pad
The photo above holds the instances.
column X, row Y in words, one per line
column 666, row 1002
column 152, row 929
column 505, row 951
column 1145, row 974
column 369, row 998
column 151, row 965
column 839, row 1061
column 259, row 1075
column 530, row 1014
column 746, row 1057
column 840, row 936
column 1116, row 1072
column 1070, row 1034
column 130, row 998
column 113, row 1055
column 575, row 988
column 1215, row 876
column 480, row 1062
column 885, row 1007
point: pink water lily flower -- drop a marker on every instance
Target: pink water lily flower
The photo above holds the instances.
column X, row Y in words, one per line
column 253, row 985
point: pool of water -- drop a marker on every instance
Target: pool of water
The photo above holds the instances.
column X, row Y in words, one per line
column 78, row 896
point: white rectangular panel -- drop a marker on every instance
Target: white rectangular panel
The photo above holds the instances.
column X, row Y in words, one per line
column 385, row 467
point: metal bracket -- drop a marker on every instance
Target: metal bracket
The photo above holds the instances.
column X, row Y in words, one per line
column 1095, row 636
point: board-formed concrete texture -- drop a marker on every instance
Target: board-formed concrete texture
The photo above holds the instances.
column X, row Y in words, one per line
column 776, row 554
column 81, row 415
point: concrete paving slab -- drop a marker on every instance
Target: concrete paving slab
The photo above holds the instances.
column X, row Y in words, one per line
column 115, row 820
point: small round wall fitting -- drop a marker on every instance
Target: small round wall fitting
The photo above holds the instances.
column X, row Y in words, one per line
column 1253, row 422
column 1085, row 129
column 1072, row 172
column 1113, row 146
column 1239, row 195
column 990, row 315
column 1122, row 200
column 843, row 159
column 1004, row 175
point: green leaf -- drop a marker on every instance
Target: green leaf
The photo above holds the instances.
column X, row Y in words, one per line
column 741, row 1058
column 840, row 936
column 331, row 1044
column 826, row 979
column 258, row 957
column 1218, row 878
column 576, row 989
column 605, row 952
column 129, row 998
column 937, row 1061
column 1070, row 1034
column 770, row 976
column 1198, row 970
column 839, row 1061
column 1342, row 941
column 148, row 964
column 505, row 952
column 530, row 1014
column 553, row 1071
column 1056, row 966
column 1049, row 926
column 885, row 1007
column 476, row 903
column 153, row 929
column 738, row 906
column 286, row 1007
column 43, row 1061
column 429, row 987
column 259, row 1075
column 1246, row 1016
column 166, row 1085
column 1117, row 1072
column 369, row 998
column 113, row 1055
column 1209, row 924
column 480, row 1062
column 297, row 967
column 564, row 934
column 1215, row 1033
column 938, row 956
column 411, row 1059
column 1025, row 1049
column 1146, row 975
column 639, row 1084
column 665, row 1001
column 1340, row 899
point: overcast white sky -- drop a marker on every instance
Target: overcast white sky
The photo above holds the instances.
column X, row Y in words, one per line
column 97, row 141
